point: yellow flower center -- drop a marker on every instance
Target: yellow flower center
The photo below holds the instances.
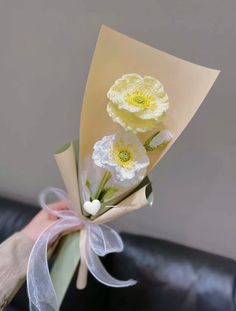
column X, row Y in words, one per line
column 138, row 99
column 123, row 154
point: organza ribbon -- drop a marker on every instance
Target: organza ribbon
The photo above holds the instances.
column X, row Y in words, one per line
column 98, row 240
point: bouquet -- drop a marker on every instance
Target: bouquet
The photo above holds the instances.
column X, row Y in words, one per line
column 136, row 103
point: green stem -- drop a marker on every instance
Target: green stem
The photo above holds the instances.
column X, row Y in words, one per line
column 104, row 180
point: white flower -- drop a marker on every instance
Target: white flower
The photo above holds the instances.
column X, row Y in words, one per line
column 124, row 156
column 137, row 103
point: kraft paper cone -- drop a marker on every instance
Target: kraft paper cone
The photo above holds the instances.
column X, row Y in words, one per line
column 186, row 84
column 82, row 278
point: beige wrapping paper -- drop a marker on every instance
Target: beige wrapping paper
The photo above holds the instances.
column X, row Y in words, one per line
column 83, row 270
column 186, row 84
column 66, row 163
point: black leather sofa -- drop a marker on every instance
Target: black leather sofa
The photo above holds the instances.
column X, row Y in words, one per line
column 171, row 277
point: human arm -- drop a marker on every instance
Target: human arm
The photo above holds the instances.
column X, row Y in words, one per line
column 15, row 252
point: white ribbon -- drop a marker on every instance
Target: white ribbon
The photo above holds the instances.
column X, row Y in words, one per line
column 100, row 240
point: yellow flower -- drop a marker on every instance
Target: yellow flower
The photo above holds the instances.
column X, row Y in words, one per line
column 137, row 103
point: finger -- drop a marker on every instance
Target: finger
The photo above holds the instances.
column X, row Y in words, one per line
column 66, row 232
column 58, row 206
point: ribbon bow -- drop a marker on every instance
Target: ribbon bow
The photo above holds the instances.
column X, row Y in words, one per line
column 96, row 240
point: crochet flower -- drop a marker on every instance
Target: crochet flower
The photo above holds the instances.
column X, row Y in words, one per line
column 137, row 103
column 124, row 156
column 158, row 140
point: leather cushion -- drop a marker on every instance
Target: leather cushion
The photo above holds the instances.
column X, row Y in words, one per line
column 172, row 277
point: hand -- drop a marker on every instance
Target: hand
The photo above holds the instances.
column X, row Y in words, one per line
column 41, row 221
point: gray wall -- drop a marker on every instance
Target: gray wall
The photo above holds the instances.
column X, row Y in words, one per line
column 45, row 53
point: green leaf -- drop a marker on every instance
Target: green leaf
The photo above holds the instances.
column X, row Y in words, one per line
column 66, row 262
column 108, row 193
column 63, row 148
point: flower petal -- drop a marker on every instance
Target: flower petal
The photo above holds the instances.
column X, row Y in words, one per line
column 137, row 103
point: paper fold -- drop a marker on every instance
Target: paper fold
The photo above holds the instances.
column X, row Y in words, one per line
column 66, row 162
